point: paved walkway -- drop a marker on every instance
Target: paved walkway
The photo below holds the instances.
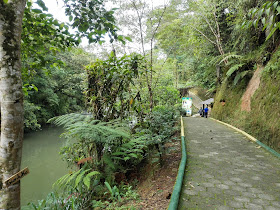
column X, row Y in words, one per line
column 227, row 171
column 195, row 100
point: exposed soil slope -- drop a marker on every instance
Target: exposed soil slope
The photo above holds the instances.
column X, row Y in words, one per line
column 251, row 89
column 156, row 184
column 253, row 105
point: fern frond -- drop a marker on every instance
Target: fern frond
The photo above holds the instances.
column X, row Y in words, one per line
column 79, row 177
column 215, row 60
column 234, row 68
column 66, row 120
column 231, row 56
column 73, row 180
column 109, row 162
column 61, row 180
column 72, row 177
column 86, row 127
column 239, row 76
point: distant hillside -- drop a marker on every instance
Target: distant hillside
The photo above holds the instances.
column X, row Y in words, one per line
column 253, row 106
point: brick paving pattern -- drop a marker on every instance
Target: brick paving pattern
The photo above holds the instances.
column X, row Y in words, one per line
column 227, row 171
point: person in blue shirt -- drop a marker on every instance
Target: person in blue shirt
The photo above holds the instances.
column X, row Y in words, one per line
column 206, row 111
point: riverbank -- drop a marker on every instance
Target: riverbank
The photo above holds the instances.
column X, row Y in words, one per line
column 41, row 156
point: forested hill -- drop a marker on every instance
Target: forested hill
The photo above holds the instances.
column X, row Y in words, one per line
column 230, row 48
column 126, row 92
column 217, row 45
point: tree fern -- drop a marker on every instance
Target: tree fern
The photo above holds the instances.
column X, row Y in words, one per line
column 110, row 145
column 86, row 127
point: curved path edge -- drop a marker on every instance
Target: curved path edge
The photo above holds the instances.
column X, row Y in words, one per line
column 249, row 137
column 173, row 205
column 225, row 170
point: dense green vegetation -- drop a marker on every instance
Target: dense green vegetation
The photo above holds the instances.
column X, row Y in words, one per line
column 124, row 106
column 219, row 45
column 57, row 90
column 104, row 143
column 123, row 111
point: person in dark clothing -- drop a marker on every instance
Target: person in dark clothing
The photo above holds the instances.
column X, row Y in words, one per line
column 206, row 111
column 200, row 111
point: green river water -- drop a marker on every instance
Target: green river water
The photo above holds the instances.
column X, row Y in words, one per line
column 41, row 156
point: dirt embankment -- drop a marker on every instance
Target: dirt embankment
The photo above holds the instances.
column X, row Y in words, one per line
column 253, row 106
column 156, row 183
column 251, row 89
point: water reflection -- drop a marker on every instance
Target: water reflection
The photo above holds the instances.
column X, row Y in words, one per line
column 40, row 155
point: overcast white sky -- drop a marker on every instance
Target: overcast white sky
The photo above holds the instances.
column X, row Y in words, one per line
column 56, row 9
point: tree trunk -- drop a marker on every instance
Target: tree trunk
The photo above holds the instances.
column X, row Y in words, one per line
column 151, row 79
column 11, row 98
column 218, row 73
column 176, row 75
column 151, row 97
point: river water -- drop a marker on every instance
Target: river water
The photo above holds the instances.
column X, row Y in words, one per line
column 41, row 156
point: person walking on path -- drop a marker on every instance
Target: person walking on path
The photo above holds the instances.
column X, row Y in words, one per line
column 206, row 111
column 200, row 111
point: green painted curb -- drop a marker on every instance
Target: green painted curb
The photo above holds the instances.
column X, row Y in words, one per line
column 173, row 205
column 268, row 148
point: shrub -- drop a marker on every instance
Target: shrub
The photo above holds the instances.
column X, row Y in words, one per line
column 158, row 128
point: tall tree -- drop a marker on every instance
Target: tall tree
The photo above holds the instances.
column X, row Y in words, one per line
column 143, row 20
column 173, row 40
column 11, row 98
column 93, row 17
column 208, row 14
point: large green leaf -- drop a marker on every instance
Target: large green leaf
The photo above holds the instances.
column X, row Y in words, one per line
column 38, row 11
column 109, row 187
column 93, row 173
column 86, row 181
column 72, row 177
column 271, row 33
column 79, row 177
